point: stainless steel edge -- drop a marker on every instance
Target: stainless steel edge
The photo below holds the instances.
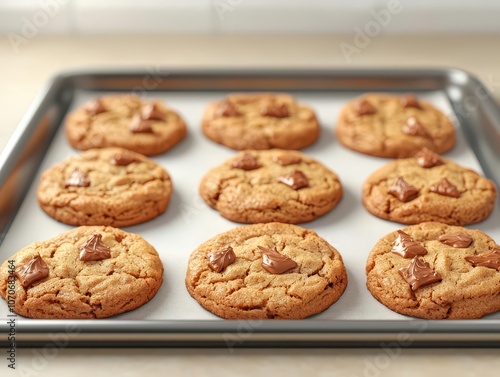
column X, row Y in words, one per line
column 232, row 334
column 270, row 340
column 19, row 162
column 24, row 151
column 219, row 79
column 479, row 117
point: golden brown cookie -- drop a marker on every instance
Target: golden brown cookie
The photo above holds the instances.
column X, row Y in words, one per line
column 108, row 186
column 274, row 185
column 428, row 188
column 387, row 125
column 126, row 121
column 260, row 121
column 88, row 272
column 436, row 271
column 265, row 271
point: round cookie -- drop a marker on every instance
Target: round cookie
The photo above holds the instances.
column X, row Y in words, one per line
column 428, row 188
column 109, row 186
column 125, row 121
column 274, row 185
column 386, row 125
column 266, row 271
column 436, row 271
column 88, row 272
column 260, row 121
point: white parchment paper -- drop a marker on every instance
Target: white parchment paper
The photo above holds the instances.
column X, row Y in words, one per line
column 189, row 222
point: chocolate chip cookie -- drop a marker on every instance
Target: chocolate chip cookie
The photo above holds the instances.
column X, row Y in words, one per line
column 436, row 271
column 386, row 125
column 428, row 188
column 265, row 271
column 260, row 121
column 267, row 186
column 88, row 272
column 126, row 121
column 108, row 186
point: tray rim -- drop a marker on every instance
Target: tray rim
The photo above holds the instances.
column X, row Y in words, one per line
column 269, row 333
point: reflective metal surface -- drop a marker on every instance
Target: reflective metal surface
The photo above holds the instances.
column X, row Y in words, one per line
column 477, row 113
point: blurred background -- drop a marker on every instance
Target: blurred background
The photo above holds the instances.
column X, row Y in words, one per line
column 79, row 17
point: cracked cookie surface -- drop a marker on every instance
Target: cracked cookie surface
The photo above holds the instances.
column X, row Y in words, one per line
column 381, row 129
column 270, row 189
column 76, row 289
column 475, row 202
column 112, row 125
column 108, row 193
column 245, row 290
column 260, row 121
column 464, row 292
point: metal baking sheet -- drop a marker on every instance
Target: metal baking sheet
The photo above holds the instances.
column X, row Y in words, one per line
column 172, row 317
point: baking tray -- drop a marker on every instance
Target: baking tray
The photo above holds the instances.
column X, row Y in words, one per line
column 172, row 318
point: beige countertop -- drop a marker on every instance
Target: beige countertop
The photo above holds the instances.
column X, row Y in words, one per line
column 24, row 72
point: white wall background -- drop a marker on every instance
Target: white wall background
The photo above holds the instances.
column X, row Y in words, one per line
column 245, row 16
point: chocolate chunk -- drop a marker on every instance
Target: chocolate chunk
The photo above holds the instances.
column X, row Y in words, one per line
column 152, row 112
column 403, row 190
column 95, row 107
column 78, row 179
column 276, row 110
column 445, row 188
column 218, row 260
column 490, row 259
column 246, row 162
column 413, row 127
column 364, row 107
column 456, row 239
column 428, row 159
column 419, row 274
column 410, row 100
column 226, row 109
column 123, row 158
column 274, row 262
column 405, row 246
column 94, row 249
column 139, row 125
column 35, row 269
column 295, row 180
column 287, row 159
